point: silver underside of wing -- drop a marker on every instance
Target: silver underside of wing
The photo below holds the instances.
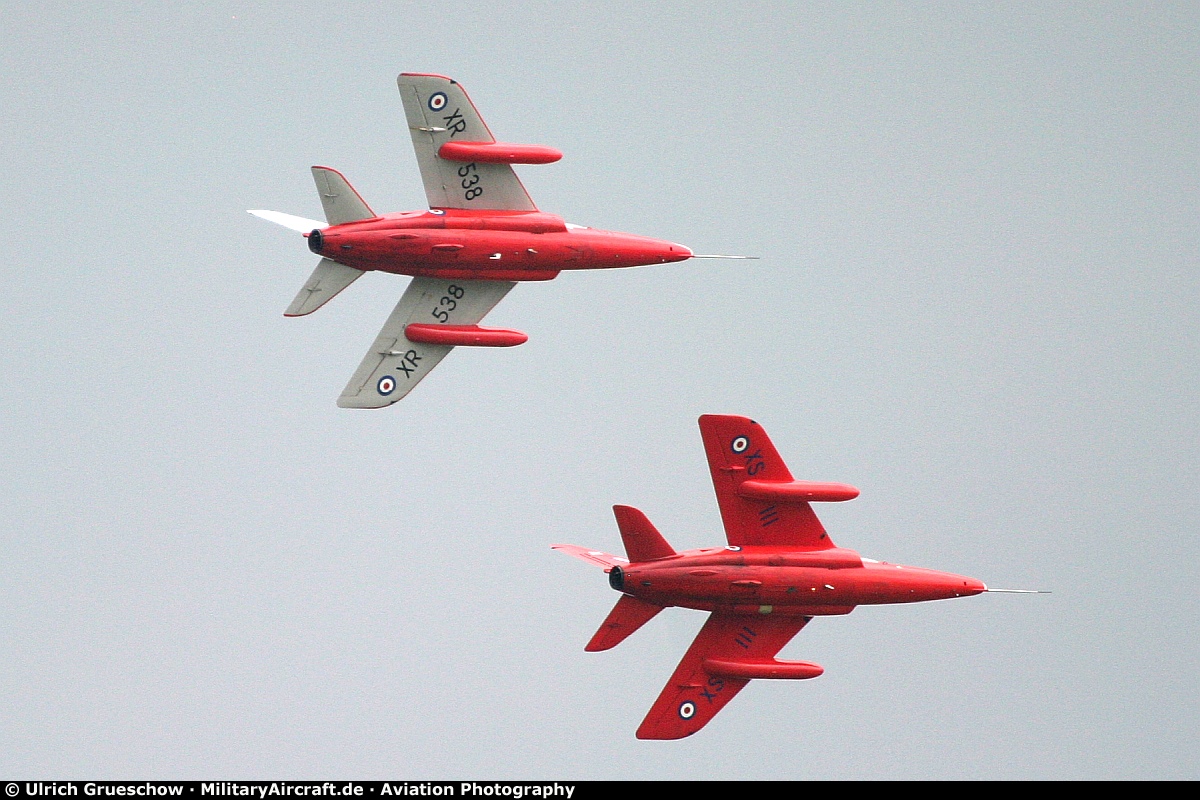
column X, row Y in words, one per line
column 438, row 111
column 394, row 365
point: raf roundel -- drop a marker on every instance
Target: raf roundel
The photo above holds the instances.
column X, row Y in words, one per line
column 386, row 385
column 740, row 444
column 687, row 710
column 437, row 101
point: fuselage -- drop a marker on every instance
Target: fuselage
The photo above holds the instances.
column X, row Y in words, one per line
column 485, row 245
column 779, row 580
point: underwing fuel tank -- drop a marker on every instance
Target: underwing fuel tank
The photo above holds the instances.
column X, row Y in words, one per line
column 767, row 669
column 499, row 153
column 463, row 335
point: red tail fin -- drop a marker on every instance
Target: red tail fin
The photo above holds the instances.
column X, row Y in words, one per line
column 642, row 540
column 627, row 616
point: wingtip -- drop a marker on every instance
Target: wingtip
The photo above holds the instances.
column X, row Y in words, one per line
column 355, row 402
column 654, row 735
column 366, row 400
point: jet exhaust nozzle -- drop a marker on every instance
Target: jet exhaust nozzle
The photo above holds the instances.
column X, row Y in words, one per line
column 616, row 578
column 316, row 242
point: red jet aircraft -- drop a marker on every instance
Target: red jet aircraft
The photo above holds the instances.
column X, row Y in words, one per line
column 481, row 235
column 779, row 571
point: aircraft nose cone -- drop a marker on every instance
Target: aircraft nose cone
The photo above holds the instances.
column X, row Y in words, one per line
column 676, row 252
column 971, row 586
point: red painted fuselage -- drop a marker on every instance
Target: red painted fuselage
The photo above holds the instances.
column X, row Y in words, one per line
column 783, row 581
column 779, row 570
column 485, row 245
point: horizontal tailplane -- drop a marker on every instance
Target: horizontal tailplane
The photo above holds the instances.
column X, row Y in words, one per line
column 289, row 221
column 627, row 616
column 326, row 281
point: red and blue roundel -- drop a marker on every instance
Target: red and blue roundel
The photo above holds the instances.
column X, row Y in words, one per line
column 437, row 101
column 687, row 709
column 386, row 385
column 739, row 444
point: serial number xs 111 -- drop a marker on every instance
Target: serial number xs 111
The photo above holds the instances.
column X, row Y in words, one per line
column 779, row 571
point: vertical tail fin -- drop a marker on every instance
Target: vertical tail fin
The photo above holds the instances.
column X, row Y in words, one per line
column 642, row 540
column 342, row 204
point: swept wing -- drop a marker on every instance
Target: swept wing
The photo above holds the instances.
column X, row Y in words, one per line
column 394, row 365
column 439, row 111
column 699, row 687
column 750, row 477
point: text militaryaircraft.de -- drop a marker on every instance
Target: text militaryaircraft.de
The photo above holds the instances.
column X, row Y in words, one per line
column 779, row 571
column 481, row 234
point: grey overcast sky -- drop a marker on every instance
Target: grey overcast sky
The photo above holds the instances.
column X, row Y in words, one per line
column 977, row 301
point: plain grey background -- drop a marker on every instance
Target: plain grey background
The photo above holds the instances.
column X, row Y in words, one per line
column 977, row 301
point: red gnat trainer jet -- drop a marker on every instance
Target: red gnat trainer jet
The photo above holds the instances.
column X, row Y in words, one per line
column 481, row 235
column 779, row 571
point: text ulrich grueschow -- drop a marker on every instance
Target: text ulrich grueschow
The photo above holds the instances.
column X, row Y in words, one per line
column 46, row 789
